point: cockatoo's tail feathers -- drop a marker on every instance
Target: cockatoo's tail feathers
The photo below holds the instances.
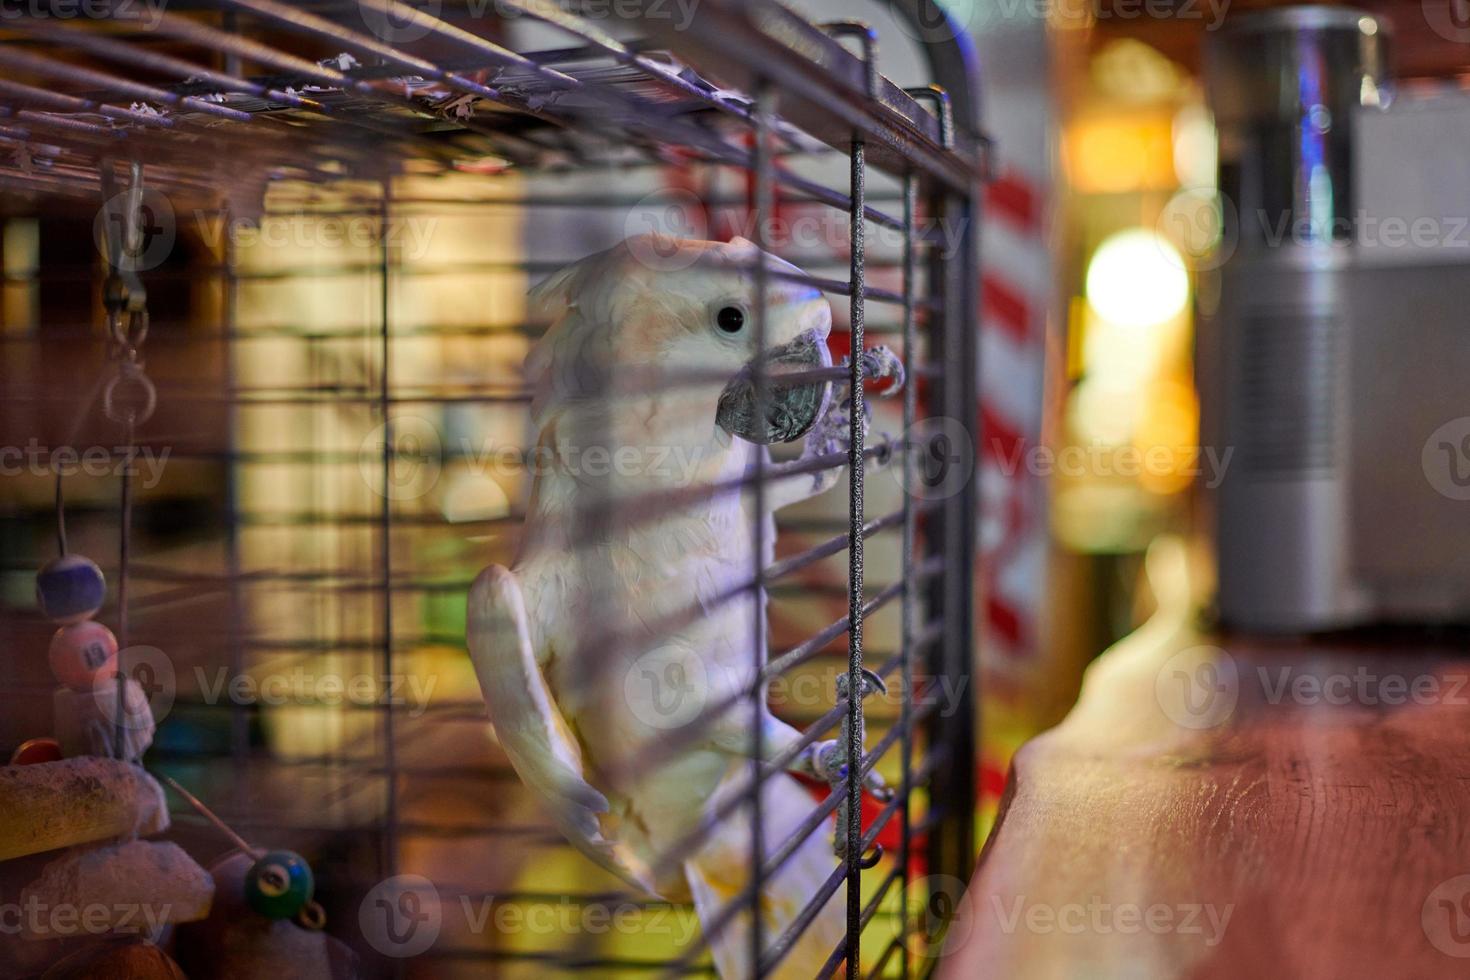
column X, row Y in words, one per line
column 718, row 874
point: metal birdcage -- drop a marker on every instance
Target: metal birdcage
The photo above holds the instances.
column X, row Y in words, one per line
column 328, row 217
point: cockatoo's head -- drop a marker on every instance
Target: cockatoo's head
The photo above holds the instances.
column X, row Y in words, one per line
column 668, row 329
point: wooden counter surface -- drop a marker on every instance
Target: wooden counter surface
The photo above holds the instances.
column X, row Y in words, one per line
column 1216, row 807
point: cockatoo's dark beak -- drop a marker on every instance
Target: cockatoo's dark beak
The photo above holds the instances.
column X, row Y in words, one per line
column 790, row 408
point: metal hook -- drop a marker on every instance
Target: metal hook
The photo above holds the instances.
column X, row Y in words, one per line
column 123, row 236
column 940, row 96
column 871, row 859
column 869, row 40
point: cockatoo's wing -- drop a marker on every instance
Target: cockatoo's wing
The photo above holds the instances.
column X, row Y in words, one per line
column 530, row 726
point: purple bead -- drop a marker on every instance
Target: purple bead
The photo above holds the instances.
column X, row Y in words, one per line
column 70, row 589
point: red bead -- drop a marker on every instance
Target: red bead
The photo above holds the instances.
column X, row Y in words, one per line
column 82, row 652
column 35, row 751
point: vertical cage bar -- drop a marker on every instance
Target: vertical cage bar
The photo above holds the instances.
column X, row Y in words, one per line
column 906, row 635
column 856, row 275
column 390, row 762
column 762, row 206
column 951, row 533
column 230, row 287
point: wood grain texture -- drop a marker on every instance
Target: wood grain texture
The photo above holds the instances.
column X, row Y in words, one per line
column 1216, row 807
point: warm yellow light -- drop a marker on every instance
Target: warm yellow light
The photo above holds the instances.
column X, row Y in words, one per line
column 1137, row 278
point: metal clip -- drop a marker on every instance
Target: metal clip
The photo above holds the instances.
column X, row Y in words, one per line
column 869, row 39
column 123, row 237
column 942, row 108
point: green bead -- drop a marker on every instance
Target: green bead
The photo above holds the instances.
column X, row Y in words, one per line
column 279, row 884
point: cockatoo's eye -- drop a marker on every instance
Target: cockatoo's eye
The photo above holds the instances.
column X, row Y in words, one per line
column 730, row 319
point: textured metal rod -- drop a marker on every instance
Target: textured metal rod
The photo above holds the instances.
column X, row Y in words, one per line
column 783, row 945
column 61, row 102
column 856, row 435
column 103, row 80
column 151, row 60
column 839, row 954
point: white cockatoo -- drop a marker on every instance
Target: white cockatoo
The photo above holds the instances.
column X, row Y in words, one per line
column 605, row 650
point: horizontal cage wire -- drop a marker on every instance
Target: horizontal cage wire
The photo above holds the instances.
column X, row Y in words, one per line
column 343, row 209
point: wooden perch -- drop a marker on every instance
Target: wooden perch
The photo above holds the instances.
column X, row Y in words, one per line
column 76, row 801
